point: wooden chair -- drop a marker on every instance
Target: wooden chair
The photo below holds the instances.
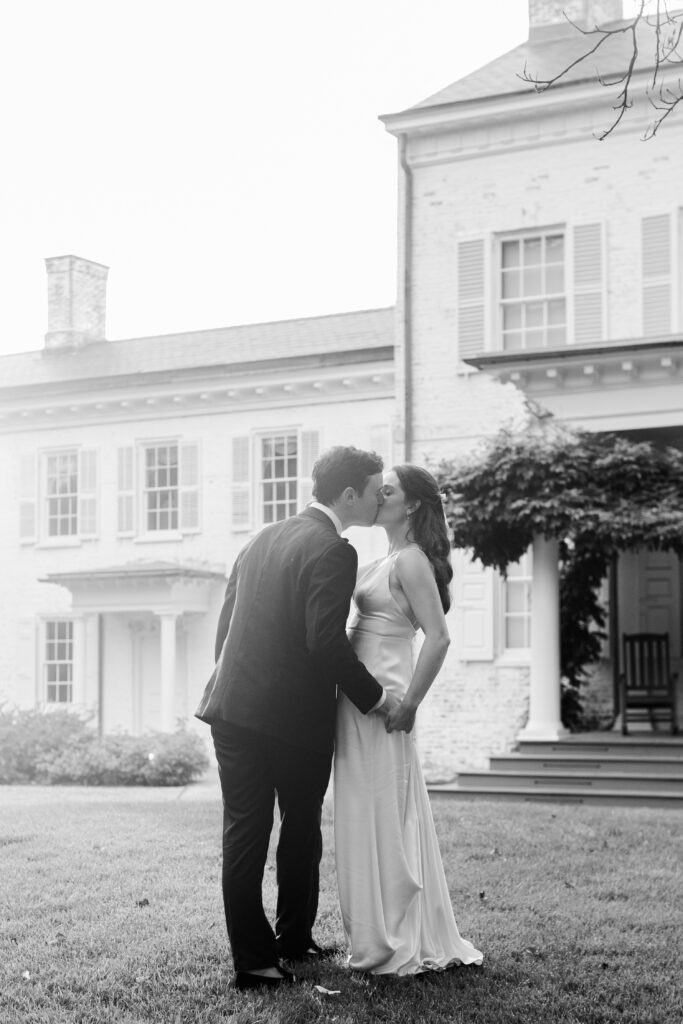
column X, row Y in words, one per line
column 647, row 687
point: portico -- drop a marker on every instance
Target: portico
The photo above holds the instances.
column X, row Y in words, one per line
column 143, row 643
column 631, row 388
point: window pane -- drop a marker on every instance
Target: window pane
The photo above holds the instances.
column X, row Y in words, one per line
column 554, row 279
column 532, row 252
column 513, row 342
column 556, row 336
column 556, row 311
column 554, row 249
column 533, row 281
column 534, row 339
column 516, row 597
column 515, row 633
column 512, row 317
column 533, row 314
column 511, row 284
column 510, row 254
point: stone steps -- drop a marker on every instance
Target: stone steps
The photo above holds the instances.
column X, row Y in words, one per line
column 590, row 768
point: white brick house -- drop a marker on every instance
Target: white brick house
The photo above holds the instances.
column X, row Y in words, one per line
column 554, row 263
column 532, row 260
column 133, row 471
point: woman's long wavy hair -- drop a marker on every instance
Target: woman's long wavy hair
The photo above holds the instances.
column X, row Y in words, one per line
column 428, row 524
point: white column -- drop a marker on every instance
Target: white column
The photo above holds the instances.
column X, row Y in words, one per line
column 544, row 697
column 78, row 663
column 168, row 670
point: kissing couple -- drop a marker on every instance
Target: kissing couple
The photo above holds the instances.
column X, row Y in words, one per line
column 293, row 685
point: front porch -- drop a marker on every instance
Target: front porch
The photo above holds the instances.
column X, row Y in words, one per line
column 142, row 641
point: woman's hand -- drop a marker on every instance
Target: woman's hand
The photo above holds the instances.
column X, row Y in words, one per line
column 402, row 718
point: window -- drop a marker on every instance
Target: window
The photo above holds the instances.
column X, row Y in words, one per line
column 59, row 643
column 271, row 475
column 58, row 496
column 158, row 489
column 532, row 291
column 61, row 480
column 161, row 487
column 517, row 605
column 279, row 476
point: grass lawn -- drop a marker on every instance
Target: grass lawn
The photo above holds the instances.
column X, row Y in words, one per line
column 111, row 911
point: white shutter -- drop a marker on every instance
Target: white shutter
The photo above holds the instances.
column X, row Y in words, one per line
column 380, row 442
column 27, row 499
column 188, row 478
column 87, row 493
column 656, row 272
column 310, row 450
column 126, row 492
column 471, row 297
column 241, row 483
column 589, row 283
column 475, row 605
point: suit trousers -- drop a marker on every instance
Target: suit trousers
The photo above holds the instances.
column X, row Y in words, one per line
column 253, row 770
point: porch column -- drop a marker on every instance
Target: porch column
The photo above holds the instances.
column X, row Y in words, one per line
column 168, row 670
column 544, row 696
column 78, row 660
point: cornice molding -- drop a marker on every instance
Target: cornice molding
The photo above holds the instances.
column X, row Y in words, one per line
column 368, row 381
column 591, row 368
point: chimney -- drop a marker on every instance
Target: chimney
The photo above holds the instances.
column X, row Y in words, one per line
column 547, row 17
column 76, row 302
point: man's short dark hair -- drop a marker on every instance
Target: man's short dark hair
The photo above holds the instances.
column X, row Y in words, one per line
column 342, row 467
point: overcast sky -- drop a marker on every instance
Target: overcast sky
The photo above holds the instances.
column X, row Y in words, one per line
column 223, row 158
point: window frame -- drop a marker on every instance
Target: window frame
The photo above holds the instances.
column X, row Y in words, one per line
column 143, row 531
column 47, row 662
column 512, row 654
column 521, row 236
column 260, row 437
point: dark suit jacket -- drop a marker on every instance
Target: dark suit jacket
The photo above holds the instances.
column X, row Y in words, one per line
column 281, row 646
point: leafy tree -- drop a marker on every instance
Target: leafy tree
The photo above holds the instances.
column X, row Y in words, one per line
column 649, row 41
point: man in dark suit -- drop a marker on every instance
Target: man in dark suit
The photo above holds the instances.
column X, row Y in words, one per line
column 282, row 651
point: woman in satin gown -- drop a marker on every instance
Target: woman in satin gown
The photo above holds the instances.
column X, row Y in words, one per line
column 393, row 893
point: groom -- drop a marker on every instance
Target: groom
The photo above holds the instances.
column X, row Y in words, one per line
column 281, row 653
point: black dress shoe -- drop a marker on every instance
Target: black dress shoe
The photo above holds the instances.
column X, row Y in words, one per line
column 246, row 980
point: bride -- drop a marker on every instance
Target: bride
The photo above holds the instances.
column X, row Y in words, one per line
column 392, row 888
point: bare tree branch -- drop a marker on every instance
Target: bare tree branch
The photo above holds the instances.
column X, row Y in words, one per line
column 664, row 56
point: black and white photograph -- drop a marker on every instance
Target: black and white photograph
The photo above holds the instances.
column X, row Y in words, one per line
column 341, row 527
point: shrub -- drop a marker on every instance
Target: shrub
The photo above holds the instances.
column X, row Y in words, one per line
column 59, row 747
column 29, row 738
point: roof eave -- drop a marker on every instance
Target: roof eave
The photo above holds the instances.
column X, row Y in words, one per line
column 497, row 106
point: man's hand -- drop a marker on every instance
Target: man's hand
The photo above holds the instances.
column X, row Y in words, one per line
column 389, row 704
column 401, row 718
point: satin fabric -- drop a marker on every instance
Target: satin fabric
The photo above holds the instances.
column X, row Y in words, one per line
column 393, row 893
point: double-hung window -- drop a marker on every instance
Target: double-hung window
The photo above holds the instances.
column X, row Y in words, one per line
column 58, row 496
column 279, row 476
column 160, row 488
column 59, row 661
column 517, row 605
column 271, row 475
column 61, row 493
column 533, row 303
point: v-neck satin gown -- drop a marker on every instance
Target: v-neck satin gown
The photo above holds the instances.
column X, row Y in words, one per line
column 393, row 893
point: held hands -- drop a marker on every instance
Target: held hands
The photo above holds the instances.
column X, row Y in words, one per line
column 398, row 715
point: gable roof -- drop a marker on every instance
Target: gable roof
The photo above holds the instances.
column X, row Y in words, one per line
column 544, row 56
column 222, row 346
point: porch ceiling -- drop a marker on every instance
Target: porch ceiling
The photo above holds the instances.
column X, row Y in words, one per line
column 624, row 385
